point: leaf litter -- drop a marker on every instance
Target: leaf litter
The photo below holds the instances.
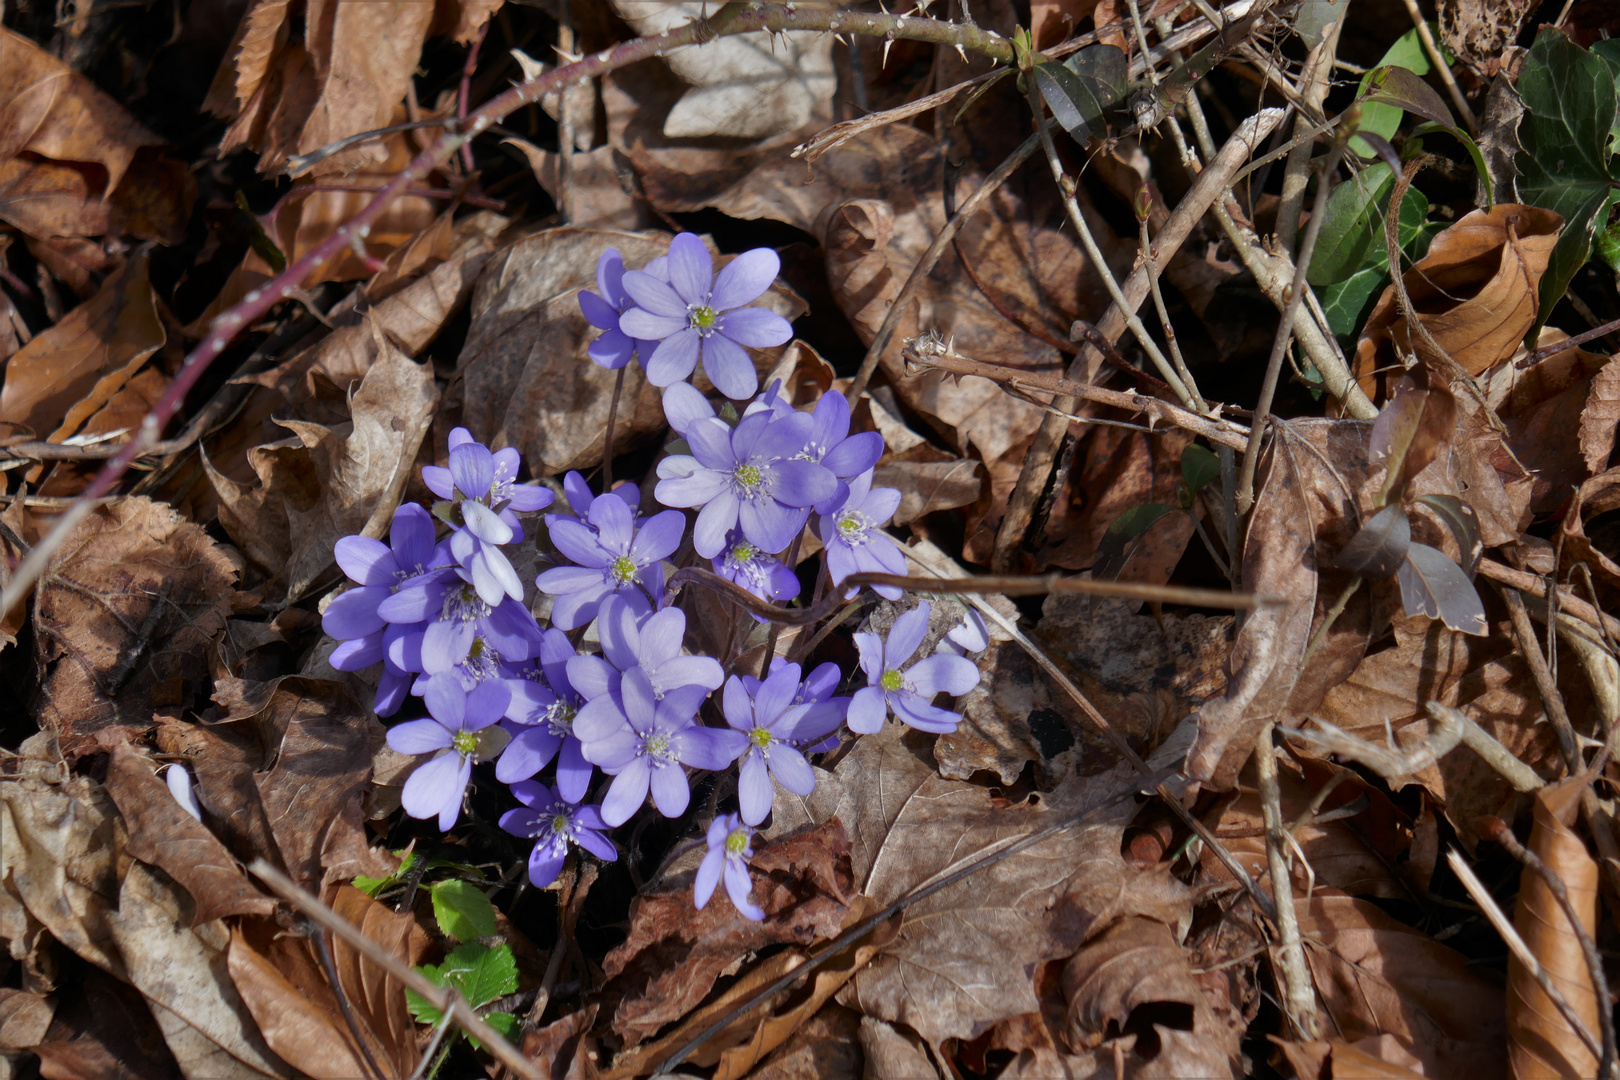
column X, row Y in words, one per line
column 1081, row 873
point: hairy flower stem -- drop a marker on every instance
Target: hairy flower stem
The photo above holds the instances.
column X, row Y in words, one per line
column 736, row 17
column 607, row 436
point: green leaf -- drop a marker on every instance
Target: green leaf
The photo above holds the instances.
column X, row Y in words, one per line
column 1347, row 303
column 1199, row 467
column 1314, row 16
column 1377, row 117
column 505, row 1023
column 1474, row 152
column 1083, row 87
column 1609, row 51
column 1353, row 225
column 481, row 973
column 1405, row 89
column 1569, row 101
column 464, row 913
column 1607, row 243
column 374, row 887
column 1121, row 531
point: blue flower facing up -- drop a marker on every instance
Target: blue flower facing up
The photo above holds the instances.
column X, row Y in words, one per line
column 730, row 848
column 555, row 823
column 908, row 692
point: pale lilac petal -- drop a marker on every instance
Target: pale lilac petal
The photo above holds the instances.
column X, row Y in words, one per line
column 439, row 481
column 801, row 483
column 658, row 537
column 473, row 467
column 684, row 406
column 745, row 278
column 579, row 543
column 620, row 637
column 546, row 862
column 870, row 647
column 880, row 504
column 754, row 790
column 660, row 638
column 792, row 771
column 486, row 703
column 701, row 671
column 638, row 700
column 599, row 719
column 917, row 713
column 776, row 693
column 359, row 653
column 527, row 498
column 708, row 876
column 610, row 275
column 738, row 886
column 354, row 613
column 907, row 633
column 570, row 579
column 598, row 312
column 867, row 710
column 696, row 488
column 773, row 437
column 414, row 603
column 728, row 367
column 670, row 791
column 435, row 784
column 575, row 609
column 627, row 792
column 593, row 841
column 674, row 359
column 854, row 455
column 591, row 676
column 419, row 737
column 459, row 436
column 710, row 748
column 767, row 523
column 574, row 775
column 647, row 326
column 526, row 755
column 714, row 521
column 653, row 296
column 446, row 701
column 485, row 524
column 955, row 675
column 737, row 706
column 691, row 270
column 366, row 561
column 614, row 521
column 412, row 537
column 614, row 753
column 754, row 327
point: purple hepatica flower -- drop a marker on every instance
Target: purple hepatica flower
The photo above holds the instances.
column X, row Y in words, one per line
column 700, row 316
column 554, row 822
column 907, row 692
column 579, row 496
column 745, row 476
column 659, row 736
column 614, row 348
column 544, row 704
column 613, row 556
column 653, row 644
column 766, row 576
column 855, row 540
column 772, row 724
column 461, row 733
column 482, row 496
column 449, row 615
column 826, row 712
column 846, row 456
column 730, row 848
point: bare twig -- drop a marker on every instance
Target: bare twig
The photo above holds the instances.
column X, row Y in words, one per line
column 1568, row 602
column 1299, row 994
column 1566, row 344
column 1391, row 763
column 446, row 1001
column 1493, row 753
column 930, row 258
column 1205, row 192
column 1285, row 327
column 1438, row 60
column 1314, row 83
column 1495, row 829
column 1551, row 699
column 1521, row 951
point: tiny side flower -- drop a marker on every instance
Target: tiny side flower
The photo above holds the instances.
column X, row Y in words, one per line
column 730, row 848
column 554, row 823
column 909, row 692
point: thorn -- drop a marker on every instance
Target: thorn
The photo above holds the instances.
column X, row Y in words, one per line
column 567, row 57
column 961, row 52
column 887, row 45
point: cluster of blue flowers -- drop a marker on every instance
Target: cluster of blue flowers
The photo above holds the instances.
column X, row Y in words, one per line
column 447, row 621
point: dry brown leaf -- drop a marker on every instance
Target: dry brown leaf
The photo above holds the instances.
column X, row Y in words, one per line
column 70, row 370
column 675, row 953
column 1481, row 676
column 1051, row 21
column 597, row 196
column 328, row 482
column 1480, row 32
column 105, row 1030
column 1376, row 976
column 1356, row 854
column 60, row 855
column 164, row 834
column 556, row 1047
column 963, row 958
column 890, row 1053
column 123, row 617
column 47, row 108
column 24, row 1018
column 1115, row 469
column 1540, row 1041
column 1338, row 1059
column 1133, row 979
column 294, row 1005
column 281, row 776
column 1475, row 291
column 528, row 380
column 1600, row 417
column 1588, row 530
column 825, row 1047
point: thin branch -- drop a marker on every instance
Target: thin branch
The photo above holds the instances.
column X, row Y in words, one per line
column 1521, row 951
column 1437, row 60
column 1299, row 995
column 1495, row 829
column 1551, row 700
column 1568, row 602
column 446, row 1001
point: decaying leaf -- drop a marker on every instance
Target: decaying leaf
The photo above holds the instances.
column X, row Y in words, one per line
column 1475, row 292
column 675, row 952
column 1540, row 1040
column 1376, row 976
column 123, row 617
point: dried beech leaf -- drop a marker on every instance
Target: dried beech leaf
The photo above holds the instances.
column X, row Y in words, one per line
column 675, row 953
column 1328, row 1060
column 1376, row 976
column 1475, row 291
column 1540, row 1040
column 123, row 617
column 1410, row 432
column 57, row 380
column 1600, row 417
column 164, row 834
column 1134, row 978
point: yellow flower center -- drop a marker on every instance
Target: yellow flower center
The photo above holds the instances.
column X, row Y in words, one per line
column 760, row 737
column 623, row 570
column 737, row 841
column 704, row 318
column 465, row 742
column 891, row 680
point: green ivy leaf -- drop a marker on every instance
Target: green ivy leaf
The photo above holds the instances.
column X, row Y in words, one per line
column 1609, row 51
column 374, row 887
column 464, row 913
column 1348, row 302
column 1199, row 467
column 1569, row 101
column 1083, row 87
